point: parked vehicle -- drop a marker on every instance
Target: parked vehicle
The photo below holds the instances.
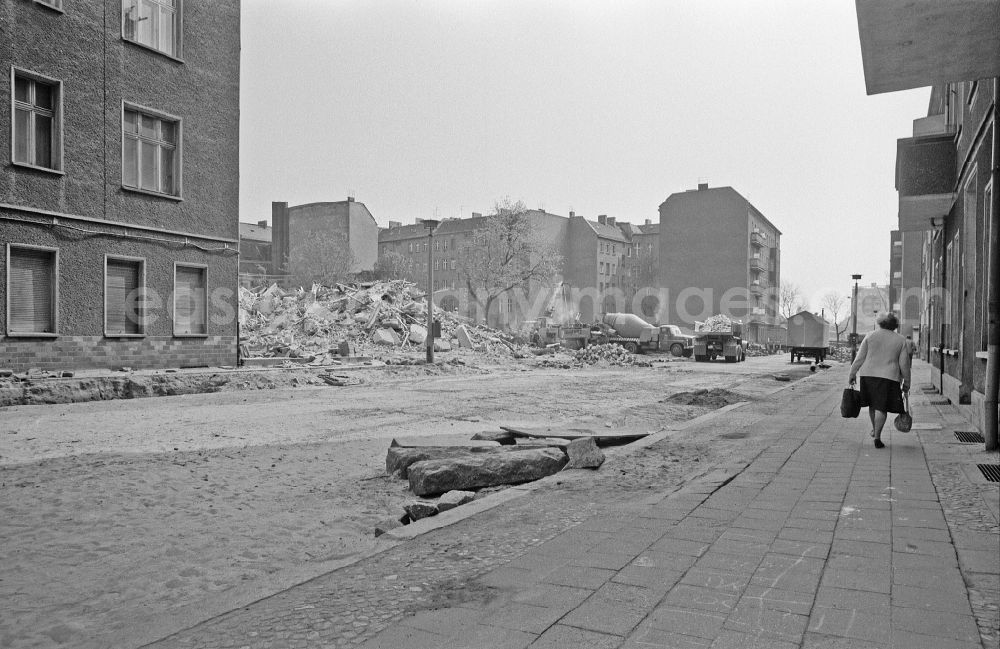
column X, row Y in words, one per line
column 808, row 335
column 709, row 345
column 673, row 340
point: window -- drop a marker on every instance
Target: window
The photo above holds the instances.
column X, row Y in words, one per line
column 151, row 152
column 55, row 4
column 32, row 290
column 409, row 247
column 190, row 301
column 153, row 23
column 37, row 121
column 453, row 264
column 123, row 284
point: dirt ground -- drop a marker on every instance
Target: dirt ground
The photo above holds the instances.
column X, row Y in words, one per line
column 124, row 514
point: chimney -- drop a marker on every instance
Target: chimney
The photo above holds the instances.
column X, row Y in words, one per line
column 649, row 222
column 477, row 215
column 418, row 221
column 611, row 221
column 350, row 199
column 572, row 214
column 395, row 224
column 702, row 186
column 261, row 224
column 602, row 219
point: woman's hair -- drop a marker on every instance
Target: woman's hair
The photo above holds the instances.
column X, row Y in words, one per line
column 888, row 321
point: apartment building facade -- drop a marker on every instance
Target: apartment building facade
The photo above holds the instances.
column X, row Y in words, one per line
column 906, row 260
column 945, row 185
column 119, row 142
column 720, row 254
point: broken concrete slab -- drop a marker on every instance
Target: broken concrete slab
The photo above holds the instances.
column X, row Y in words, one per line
column 502, row 437
column 399, row 458
column 584, row 454
column 442, row 346
column 418, row 509
column 538, row 442
column 464, row 339
column 385, row 337
column 610, row 438
column 453, row 499
column 446, row 439
column 417, row 335
column 474, row 471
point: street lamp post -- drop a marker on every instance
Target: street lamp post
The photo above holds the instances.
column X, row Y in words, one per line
column 430, row 224
column 854, row 317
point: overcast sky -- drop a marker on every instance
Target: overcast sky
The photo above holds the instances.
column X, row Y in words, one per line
column 424, row 108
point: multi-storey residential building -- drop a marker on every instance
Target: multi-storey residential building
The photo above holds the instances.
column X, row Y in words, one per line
column 719, row 254
column 945, row 198
column 119, row 137
column 594, row 268
column 324, row 241
column 905, row 271
column 948, row 178
column 873, row 300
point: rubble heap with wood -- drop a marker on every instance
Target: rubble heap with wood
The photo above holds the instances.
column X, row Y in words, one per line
column 317, row 322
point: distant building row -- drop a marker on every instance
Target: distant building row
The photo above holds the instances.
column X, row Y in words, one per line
column 711, row 252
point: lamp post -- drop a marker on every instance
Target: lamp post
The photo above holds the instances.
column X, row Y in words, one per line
column 430, row 224
column 854, row 317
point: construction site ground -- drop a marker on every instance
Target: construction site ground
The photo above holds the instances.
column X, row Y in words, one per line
column 128, row 519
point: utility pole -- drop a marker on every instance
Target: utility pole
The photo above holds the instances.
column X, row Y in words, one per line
column 854, row 318
column 430, row 224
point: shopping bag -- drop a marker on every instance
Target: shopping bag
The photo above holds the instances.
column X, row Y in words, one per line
column 850, row 403
column 904, row 421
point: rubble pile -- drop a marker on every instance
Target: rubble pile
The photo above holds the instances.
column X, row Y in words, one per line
column 756, row 349
column 612, row 353
column 345, row 320
column 717, row 323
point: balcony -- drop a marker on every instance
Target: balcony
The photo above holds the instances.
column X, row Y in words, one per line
column 757, row 263
column 756, row 239
column 925, row 179
column 758, row 286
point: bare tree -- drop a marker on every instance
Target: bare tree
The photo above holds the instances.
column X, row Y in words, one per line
column 321, row 257
column 837, row 304
column 393, row 265
column 789, row 299
column 507, row 252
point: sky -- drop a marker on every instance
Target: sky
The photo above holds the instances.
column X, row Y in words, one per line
column 440, row 108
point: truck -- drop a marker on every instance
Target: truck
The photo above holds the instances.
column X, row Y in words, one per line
column 808, row 336
column 544, row 331
column 638, row 336
column 728, row 343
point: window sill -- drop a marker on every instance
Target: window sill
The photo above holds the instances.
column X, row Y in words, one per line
column 31, row 334
column 146, row 192
column 176, row 335
column 111, row 335
column 48, row 170
column 152, row 49
column 982, row 355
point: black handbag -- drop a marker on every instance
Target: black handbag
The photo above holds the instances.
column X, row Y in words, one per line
column 850, row 403
column 904, row 421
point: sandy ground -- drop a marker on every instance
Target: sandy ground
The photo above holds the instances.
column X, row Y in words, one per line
column 122, row 518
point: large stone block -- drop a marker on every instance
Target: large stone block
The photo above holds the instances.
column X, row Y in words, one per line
column 431, row 477
column 584, row 454
column 399, row 458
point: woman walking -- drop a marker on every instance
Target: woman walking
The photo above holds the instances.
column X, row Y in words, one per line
column 883, row 362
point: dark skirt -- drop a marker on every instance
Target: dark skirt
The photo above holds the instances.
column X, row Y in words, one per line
column 881, row 394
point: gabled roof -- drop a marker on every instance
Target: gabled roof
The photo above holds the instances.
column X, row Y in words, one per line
column 693, row 192
column 606, row 231
column 254, row 232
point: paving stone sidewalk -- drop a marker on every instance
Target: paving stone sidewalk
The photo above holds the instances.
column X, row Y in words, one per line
column 818, row 540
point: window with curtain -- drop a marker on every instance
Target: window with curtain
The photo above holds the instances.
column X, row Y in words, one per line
column 153, row 23
column 37, row 139
column 151, row 152
column 31, row 291
column 122, row 298
column 190, row 301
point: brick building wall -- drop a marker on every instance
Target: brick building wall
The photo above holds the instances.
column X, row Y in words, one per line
column 79, row 207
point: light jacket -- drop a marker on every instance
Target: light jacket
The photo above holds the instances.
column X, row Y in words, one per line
column 883, row 354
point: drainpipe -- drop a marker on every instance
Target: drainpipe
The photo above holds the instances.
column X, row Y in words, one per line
column 944, row 295
column 993, row 302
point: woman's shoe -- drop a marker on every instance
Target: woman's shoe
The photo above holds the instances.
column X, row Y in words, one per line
column 879, row 444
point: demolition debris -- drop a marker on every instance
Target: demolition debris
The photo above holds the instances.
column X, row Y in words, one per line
column 323, row 324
